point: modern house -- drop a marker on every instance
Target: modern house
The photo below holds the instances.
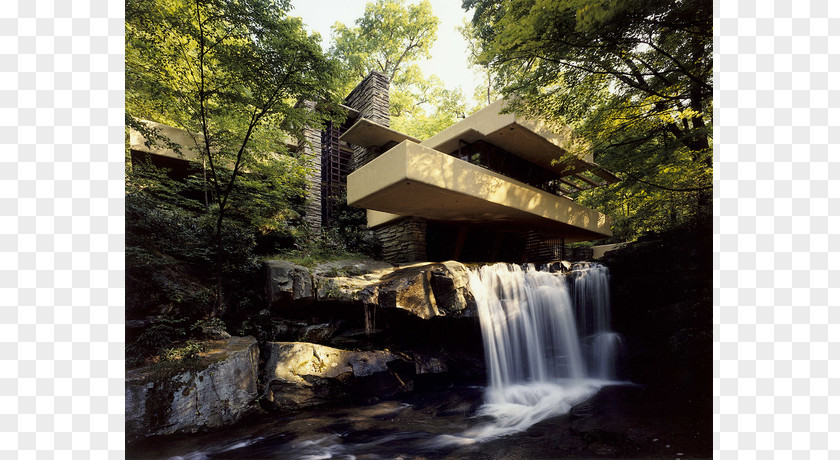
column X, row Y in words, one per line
column 489, row 188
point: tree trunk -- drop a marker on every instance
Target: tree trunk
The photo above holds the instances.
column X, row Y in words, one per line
column 219, row 307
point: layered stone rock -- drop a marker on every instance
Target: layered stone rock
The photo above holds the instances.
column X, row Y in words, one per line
column 287, row 281
column 218, row 390
column 349, row 280
column 425, row 290
column 299, row 374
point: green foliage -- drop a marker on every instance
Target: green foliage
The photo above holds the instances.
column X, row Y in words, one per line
column 318, row 250
column 485, row 93
column 423, row 107
column 350, row 230
column 163, row 332
column 348, row 238
column 164, row 216
column 388, row 36
column 235, row 75
column 391, row 37
column 633, row 78
column 213, row 328
column 187, row 351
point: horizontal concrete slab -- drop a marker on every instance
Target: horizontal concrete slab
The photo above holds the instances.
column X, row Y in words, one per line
column 366, row 133
column 189, row 145
column 554, row 149
column 413, row 180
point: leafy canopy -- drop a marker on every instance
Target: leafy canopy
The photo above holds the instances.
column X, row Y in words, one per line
column 235, row 75
column 230, row 71
column 391, row 37
column 387, row 37
column 632, row 77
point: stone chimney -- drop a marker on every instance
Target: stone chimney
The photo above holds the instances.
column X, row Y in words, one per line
column 370, row 98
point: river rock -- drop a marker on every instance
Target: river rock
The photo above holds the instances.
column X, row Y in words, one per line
column 409, row 289
column 299, row 374
column 287, row 281
column 216, row 390
column 319, row 333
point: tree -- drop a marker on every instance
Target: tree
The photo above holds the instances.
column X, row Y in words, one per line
column 633, row 77
column 235, row 74
column 422, row 107
column 390, row 38
column 386, row 38
column 485, row 93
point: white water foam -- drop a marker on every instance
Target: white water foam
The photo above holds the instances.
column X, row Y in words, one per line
column 538, row 364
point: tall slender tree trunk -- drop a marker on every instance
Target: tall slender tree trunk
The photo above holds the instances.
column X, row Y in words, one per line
column 219, row 308
column 205, row 185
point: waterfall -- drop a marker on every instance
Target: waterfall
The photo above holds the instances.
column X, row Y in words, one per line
column 547, row 343
column 591, row 286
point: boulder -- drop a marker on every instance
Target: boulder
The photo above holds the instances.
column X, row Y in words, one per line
column 428, row 290
column 425, row 290
column 286, row 281
column 215, row 390
column 319, row 333
column 425, row 364
column 299, row 374
column 283, row 330
column 451, row 286
column 559, row 266
column 349, row 280
column 409, row 289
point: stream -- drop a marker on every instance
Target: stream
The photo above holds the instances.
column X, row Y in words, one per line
column 551, row 392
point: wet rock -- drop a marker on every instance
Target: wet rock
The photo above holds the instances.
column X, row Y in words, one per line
column 285, row 330
column 299, row 374
column 318, row 333
column 424, row 364
column 216, row 390
column 559, row 266
column 286, row 281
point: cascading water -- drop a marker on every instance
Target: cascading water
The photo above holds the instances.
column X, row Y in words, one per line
column 548, row 346
column 546, row 349
column 591, row 287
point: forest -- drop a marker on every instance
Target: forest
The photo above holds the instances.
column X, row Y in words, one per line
column 632, row 78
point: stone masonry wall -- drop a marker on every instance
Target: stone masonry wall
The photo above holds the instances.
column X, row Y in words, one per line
column 370, row 98
column 404, row 240
column 310, row 148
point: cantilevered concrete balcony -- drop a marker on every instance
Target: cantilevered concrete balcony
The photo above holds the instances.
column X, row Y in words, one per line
column 415, row 180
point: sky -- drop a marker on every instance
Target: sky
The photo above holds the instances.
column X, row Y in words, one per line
column 449, row 53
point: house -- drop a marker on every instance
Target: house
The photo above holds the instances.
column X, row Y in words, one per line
column 491, row 187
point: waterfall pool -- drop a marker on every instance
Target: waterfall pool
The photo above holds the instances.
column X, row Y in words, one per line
column 551, row 392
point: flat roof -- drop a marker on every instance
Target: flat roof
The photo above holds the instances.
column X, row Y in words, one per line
column 528, row 139
column 366, row 133
column 550, row 149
